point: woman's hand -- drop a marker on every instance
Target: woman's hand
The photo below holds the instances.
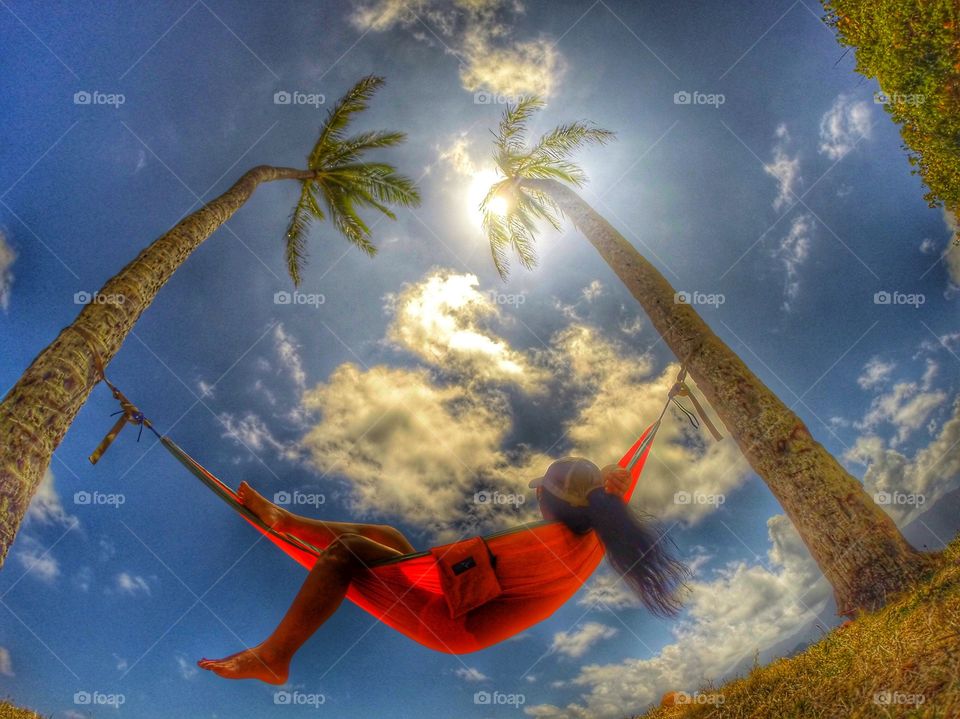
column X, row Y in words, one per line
column 616, row 480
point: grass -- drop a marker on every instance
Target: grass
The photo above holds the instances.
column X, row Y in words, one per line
column 9, row 711
column 901, row 661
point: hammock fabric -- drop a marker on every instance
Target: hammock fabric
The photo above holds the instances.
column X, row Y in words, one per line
column 535, row 567
column 539, row 566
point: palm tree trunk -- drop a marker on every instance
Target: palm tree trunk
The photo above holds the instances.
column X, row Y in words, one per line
column 854, row 542
column 38, row 410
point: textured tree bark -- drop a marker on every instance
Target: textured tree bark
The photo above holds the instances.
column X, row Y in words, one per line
column 38, row 410
column 854, row 542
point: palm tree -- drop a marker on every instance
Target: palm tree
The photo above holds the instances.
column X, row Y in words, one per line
column 337, row 182
column 855, row 543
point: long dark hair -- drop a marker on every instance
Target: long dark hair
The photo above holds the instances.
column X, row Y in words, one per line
column 636, row 547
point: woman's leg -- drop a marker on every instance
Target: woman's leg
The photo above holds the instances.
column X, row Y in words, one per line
column 317, row 531
column 318, row 598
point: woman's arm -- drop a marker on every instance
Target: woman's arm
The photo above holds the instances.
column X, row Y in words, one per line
column 616, row 480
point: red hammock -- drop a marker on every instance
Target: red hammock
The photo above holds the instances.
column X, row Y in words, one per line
column 539, row 566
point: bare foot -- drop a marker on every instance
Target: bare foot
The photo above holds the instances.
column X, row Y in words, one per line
column 255, row 663
column 272, row 515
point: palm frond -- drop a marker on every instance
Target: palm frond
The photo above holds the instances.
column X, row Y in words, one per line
column 548, row 159
column 296, row 236
column 355, row 100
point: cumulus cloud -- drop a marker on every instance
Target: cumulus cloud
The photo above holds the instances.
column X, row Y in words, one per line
column 417, row 449
column 607, row 590
column 843, row 126
column 744, row 607
column 7, row 257
column 906, row 406
column 36, row 559
column 441, row 319
column 785, row 168
column 479, row 35
column 252, row 432
column 457, row 154
column 46, row 507
column 875, row 373
column 792, row 252
column 932, row 471
column 579, row 640
column 187, row 669
column 624, row 395
column 419, row 442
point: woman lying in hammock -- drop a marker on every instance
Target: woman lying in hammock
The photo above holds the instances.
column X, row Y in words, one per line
column 573, row 491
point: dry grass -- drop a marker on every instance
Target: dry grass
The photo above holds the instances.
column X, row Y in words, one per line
column 9, row 711
column 901, row 661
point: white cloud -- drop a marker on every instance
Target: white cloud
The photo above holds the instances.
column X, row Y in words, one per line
column 843, row 125
column 289, row 353
column 624, row 395
column 785, row 168
column 607, row 590
column 932, row 471
column 6, row 664
column 416, row 449
column 469, row 674
column 441, row 319
column 252, row 432
column 122, row 663
column 46, row 506
column 876, row 372
column 479, row 34
column 906, row 406
column 7, row 257
column 457, row 155
column 744, row 608
column 206, row 390
column 132, row 584
column 579, row 640
column 593, row 291
column 36, row 559
column 188, row 670
column 793, row 251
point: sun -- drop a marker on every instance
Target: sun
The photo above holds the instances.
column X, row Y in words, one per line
column 480, row 184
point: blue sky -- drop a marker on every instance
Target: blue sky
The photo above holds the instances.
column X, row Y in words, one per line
column 780, row 187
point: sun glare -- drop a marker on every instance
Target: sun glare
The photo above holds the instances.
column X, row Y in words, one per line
column 479, row 186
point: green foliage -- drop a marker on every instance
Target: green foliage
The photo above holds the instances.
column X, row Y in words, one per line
column 344, row 183
column 912, row 48
column 525, row 204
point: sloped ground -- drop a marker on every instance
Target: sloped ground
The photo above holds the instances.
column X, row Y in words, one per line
column 902, row 661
